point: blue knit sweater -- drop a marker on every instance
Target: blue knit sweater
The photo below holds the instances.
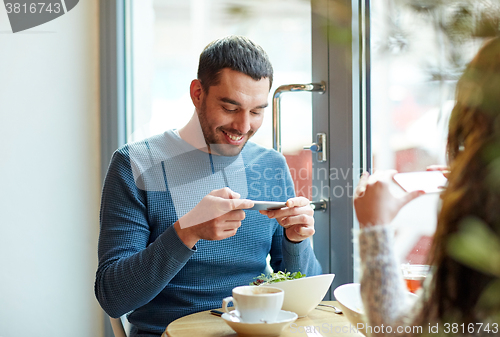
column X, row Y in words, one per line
column 145, row 269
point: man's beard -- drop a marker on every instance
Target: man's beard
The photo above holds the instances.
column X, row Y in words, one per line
column 215, row 145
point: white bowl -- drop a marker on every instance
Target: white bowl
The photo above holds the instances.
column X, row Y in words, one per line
column 304, row 294
column 349, row 298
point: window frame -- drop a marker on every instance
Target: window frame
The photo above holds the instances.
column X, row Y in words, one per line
column 348, row 128
column 112, row 89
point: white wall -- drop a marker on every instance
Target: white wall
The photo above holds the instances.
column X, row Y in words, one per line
column 50, row 179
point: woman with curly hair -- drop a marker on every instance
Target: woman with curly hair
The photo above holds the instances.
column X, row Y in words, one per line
column 459, row 296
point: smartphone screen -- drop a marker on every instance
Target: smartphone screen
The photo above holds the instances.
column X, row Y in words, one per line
column 428, row 181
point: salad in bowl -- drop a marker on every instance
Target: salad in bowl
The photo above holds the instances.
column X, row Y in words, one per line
column 302, row 294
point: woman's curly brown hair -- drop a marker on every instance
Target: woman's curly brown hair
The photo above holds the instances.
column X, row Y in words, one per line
column 473, row 145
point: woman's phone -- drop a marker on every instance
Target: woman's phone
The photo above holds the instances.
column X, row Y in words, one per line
column 428, row 181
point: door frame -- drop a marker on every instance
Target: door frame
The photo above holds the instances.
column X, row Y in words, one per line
column 340, row 114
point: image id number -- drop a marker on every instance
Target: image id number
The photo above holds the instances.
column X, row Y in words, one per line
column 470, row 328
column 33, row 8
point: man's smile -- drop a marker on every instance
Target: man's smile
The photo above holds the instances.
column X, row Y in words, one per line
column 233, row 139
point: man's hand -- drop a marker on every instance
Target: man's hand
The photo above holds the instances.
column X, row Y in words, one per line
column 216, row 217
column 374, row 202
column 297, row 218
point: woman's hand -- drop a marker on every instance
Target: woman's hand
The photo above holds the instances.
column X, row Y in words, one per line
column 374, row 202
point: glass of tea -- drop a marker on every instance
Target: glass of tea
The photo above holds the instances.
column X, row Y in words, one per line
column 414, row 275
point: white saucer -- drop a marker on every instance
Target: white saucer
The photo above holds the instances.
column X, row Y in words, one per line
column 285, row 318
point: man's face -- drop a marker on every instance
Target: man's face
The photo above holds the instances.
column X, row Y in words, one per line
column 232, row 111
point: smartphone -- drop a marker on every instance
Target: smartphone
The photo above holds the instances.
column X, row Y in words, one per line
column 267, row 205
column 428, row 181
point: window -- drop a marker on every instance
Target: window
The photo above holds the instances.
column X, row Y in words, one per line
column 418, row 51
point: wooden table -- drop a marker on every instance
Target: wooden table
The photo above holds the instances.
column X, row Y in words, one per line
column 322, row 321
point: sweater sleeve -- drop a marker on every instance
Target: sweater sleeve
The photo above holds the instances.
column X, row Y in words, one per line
column 131, row 270
column 291, row 257
column 300, row 257
column 383, row 291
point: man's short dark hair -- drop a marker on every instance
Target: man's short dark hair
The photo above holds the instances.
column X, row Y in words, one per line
column 236, row 53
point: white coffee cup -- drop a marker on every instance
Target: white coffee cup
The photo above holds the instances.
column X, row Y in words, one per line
column 255, row 304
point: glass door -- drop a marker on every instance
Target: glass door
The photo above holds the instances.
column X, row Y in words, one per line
column 417, row 52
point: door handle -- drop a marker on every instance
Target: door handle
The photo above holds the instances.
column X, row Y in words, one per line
column 319, row 147
column 310, row 87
